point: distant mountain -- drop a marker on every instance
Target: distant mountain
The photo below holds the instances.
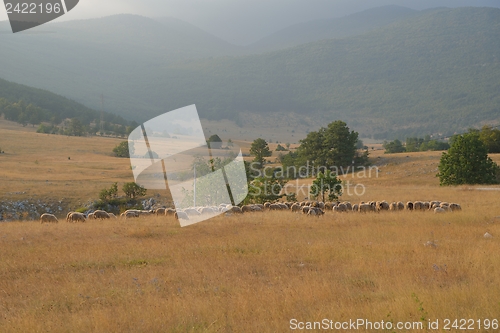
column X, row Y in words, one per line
column 435, row 71
column 352, row 25
column 162, row 38
column 200, row 38
column 84, row 59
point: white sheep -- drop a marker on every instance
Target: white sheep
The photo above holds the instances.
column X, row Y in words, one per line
column 315, row 211
column 48, row 218
column 76, row 217
column 365, row 208
column 130, row 214
column 100, row 214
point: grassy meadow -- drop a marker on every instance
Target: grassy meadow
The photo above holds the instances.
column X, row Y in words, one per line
column 249, row 273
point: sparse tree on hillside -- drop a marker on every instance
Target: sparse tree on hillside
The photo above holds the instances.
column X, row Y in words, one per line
column 12, row 111
column 55, row 119
column 122, row 150
column 132, row 190
column 22, row 119
column 133, row 126
column 214, row 138
column 3, row 103
column 334, row 145
column 280, row 148
column 214, row 142
column 491, row 138
column 413, row 144
column 76, row 128
column 108, row 194
column 467, row 162
column 394, row 147
column 262, row 189
column 326, row 183
column 260, row 149
column 34, row 114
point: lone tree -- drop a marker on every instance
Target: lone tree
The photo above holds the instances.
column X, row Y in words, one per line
column 108, row 194
column 326, row 183
column 467, row 162
column 260, row 149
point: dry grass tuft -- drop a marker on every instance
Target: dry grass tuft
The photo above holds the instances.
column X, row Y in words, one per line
column 141, row 232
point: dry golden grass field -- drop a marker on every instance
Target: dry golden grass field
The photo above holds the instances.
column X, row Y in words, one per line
column 249, row 273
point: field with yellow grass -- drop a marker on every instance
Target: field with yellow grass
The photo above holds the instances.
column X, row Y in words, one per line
column 62, row 168
column 257, row 272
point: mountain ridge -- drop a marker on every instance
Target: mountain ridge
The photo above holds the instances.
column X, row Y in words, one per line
column 394, row 80
column 412, row 76
column 351, row 25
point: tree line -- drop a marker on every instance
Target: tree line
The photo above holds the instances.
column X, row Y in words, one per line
column 489, row 135
column 64, row 119
column 415, row 144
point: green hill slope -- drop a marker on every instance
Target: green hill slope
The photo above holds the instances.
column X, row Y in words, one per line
column 46, row 106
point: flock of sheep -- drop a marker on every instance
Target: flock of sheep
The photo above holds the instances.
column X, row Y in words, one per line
column 309, row 208
column 317, row 208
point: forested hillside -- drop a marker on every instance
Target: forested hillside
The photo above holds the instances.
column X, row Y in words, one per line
column 31, row 106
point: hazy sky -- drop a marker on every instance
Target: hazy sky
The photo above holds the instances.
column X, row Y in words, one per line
column 246, row 21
